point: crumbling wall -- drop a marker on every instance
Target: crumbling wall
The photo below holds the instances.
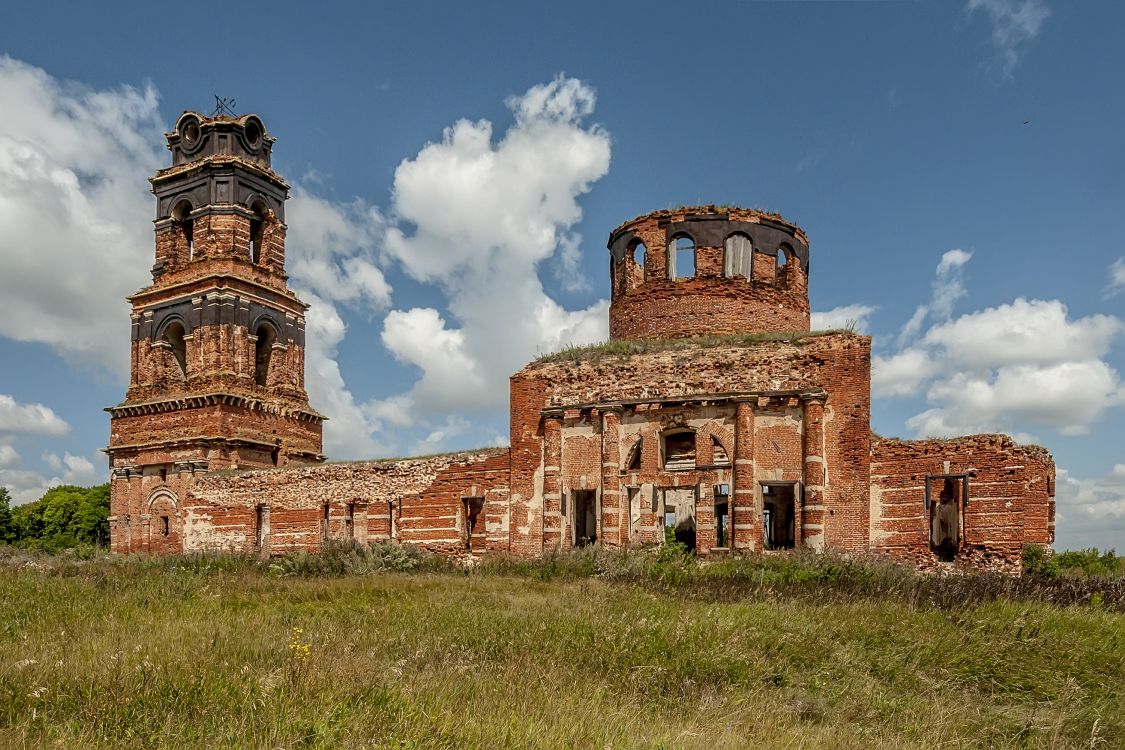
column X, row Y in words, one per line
column 416, row 500
column 836, row 365
column 1010, row 498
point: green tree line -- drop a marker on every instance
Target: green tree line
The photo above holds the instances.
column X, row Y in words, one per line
column 66, row 516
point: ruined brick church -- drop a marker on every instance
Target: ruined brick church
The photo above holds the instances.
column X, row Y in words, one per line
column 713, row 414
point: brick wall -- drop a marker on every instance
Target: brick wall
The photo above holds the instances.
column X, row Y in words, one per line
column 417, row 501
column 1010, row 502
column 665, row 388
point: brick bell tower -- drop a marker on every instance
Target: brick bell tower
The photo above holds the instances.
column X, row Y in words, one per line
column 218, row 338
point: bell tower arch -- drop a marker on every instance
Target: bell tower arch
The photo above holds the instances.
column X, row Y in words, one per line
column 217, row 355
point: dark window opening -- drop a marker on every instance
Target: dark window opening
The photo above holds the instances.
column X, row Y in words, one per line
column 174, row 337
column 473, row 508
column 679, row 450
column 261, row 517
column 946, row 498
column 585, row 518
column 722, row 521
column 682, row 258
column 185, row 226
column 275, row 454
column 349, row 521
column 324, row 521
column 163, row 474
column 263, row 352
column 257, row 232
column 165, row 526
column 779, row 515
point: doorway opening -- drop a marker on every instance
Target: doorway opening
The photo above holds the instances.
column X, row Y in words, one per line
column 679, row 516
column 946, row 497
column 585, row 518
column 473, row 508
column 779, row 515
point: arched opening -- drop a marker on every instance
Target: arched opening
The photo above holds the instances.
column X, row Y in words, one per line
column 719, row 456
column 174, row 336
column 679, row 450
column 164, row 525
column 185, row 226
column 636, row 259
column 633, row 459
column 738, row 256
column 263, row 352
column 784, row 253
column 639, row 251
column 257, row 231
column 681, row 258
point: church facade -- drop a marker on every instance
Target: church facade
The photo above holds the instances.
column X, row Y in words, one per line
column 713, row 415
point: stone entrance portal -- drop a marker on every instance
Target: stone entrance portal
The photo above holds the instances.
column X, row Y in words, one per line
column 679, row 514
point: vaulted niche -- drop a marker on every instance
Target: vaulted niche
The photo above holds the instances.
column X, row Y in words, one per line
column 263, row 352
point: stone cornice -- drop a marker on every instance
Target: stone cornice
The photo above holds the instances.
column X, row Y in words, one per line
column 215, row 398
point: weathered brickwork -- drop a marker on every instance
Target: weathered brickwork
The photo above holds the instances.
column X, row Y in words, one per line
column 424, row 501
column 695, row 390
column 217, row 352
column 653, row 298
column 1010, row 499
column 736, row 443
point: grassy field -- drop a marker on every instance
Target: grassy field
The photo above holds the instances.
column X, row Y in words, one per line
column 587, row 652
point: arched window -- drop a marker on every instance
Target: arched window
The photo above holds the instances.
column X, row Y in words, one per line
column 681, row 258
column 263, row 351
column 783, row 254
column 257, row 231
column 738, row 256
column 639, row 251
column 174, row 337
column 679, row 450
column 719, row 455
column 181, row 214
column 633, row 460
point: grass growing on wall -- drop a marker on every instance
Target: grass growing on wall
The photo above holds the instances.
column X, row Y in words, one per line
column 618, row 347
column 580, row 651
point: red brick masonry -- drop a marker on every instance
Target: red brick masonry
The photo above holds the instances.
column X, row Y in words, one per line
column 727, row 421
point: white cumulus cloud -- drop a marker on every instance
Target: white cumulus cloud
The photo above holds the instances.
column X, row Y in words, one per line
column 75, row 211
column 846, row 316
column 1091, row 510
column 1001, row 369
column 33, row 419
column 477, row 215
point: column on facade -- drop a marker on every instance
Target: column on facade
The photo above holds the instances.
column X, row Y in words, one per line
column 613, row 513
column 553, row 523
column 745, row 530
column 813, row 510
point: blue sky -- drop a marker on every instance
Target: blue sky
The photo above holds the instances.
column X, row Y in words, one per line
column 959, row 169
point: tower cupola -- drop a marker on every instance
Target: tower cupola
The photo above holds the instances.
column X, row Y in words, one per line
column 707, row 270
